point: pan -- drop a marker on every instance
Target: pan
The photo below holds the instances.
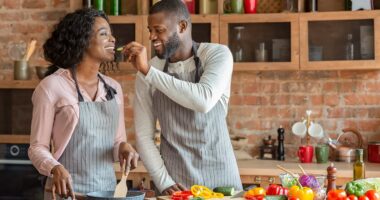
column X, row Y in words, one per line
column 108, row 195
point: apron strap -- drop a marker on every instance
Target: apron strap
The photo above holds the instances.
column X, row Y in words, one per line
column 110, row 90
column 197, row 60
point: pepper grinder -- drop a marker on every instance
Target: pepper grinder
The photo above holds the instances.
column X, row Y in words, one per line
column 331, row 178
column 280, row 147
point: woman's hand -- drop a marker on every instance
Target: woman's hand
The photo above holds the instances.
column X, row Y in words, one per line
column 128, row 153
column 176, row 187
column 62, row 182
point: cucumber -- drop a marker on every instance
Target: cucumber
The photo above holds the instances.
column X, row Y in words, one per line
column 276, row 197
column 227, row 191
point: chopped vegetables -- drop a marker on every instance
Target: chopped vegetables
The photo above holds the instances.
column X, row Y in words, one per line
column 309, row 181
column 303, row 193
column 274, row 189
column 204, row 192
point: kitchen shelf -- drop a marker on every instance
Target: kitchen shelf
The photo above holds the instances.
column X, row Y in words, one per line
column 326, row 35
column 14, row 139
column 18, row 84
column 263, row 28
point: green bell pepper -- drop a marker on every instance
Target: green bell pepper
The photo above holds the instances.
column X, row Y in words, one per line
column 355, row 188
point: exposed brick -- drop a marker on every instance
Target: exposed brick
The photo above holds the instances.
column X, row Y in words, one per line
column 331, row 100
column 280, row 99
column 236, row 100
column 352, row 86
column 34, row 4
column 12, row 4
column 61, row 3
column 330, row 87
column 251, row 100
column 48, row 15
column 28, row 28
column 374, row 112
column 13, row 16
column 250, row 88
column 298, row 99
column 369, row 125
column 373, row 87
column 269, row 88
column 316, row 100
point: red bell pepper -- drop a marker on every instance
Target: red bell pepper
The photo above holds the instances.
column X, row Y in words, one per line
column 274, row 189
column 372, row 195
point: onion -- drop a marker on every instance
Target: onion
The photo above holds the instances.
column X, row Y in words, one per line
column 309, row 181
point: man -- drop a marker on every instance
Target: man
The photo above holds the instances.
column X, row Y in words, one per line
column 186, row 88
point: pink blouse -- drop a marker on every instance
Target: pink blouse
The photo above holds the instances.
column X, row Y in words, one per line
column 56, row 114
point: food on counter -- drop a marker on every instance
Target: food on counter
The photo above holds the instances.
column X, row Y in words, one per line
column 355, row 188
column 274, row 189
column 342, row 195
column 372, row 195
column 257, row 193
column 309, row 181
column 204, row 192
column 337, row 195
column 226, row 191
column 369, row 184
column 182, row 195
column 302, row 193
column 288, row 180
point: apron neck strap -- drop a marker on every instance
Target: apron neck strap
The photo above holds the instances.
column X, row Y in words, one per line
column 197, row 61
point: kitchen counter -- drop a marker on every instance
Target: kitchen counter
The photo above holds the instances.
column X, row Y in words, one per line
column 265, row 171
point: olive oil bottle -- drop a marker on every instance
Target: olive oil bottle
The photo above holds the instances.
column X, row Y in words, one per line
column 359, row 166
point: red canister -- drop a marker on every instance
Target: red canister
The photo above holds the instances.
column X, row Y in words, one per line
column 190, row 5
column 250, row 6
column 374, row 152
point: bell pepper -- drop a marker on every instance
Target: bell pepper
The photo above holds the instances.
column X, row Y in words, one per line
column 372, row 195
column 182, row 195
column 337, row 195
column 303, row 193
column 355, row 188
column 257, row 191
column 274, row 189
column 204, row 192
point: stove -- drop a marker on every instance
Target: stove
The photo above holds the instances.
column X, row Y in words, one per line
column 19, row 180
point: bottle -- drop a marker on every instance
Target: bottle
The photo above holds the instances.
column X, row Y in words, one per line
column 312, row 5
column 237, row 44
column 86, row 3
column 114, row 7
column 280, row 147
column 347, row 4
column 261, row 53
column 98, row 5
column 349, row 48
column 359, row 166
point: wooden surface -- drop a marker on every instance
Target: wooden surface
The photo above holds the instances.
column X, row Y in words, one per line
column 14, row 139
column 16, row 84
column 265, row 171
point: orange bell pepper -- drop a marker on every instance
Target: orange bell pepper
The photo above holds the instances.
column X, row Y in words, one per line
column 303, row 193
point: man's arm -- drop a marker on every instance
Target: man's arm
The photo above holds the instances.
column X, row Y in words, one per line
column 201, row 96
column 145, row 127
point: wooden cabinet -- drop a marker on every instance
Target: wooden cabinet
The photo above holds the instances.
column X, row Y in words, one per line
column 340, row 40
column 269, row 41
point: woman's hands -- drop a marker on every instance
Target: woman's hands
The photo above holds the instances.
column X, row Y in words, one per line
column 62, row 182
column 128, row 153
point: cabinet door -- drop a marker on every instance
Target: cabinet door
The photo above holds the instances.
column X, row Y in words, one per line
column 16, row 115
column 126, row 29
column 262, row 41
column 339, row 40
column 205, row 28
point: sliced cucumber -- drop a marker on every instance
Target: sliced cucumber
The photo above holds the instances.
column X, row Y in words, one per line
column 227, row 191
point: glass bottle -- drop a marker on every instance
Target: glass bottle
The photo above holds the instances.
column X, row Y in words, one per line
column 347, row 4
column 237, row 49
column 359, row 167
column 261, row 53
column 349, row 48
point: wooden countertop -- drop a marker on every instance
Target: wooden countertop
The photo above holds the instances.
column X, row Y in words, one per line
column 256, row 167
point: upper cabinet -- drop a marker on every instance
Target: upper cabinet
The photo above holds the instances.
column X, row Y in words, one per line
column 262, row 41
column 339, row 40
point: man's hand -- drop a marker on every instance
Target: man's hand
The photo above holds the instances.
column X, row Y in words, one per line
column 137, row 55
column 176, row 187
column 128, row 153
column 62, row 182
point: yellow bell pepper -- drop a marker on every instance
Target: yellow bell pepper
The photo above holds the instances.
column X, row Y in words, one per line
column 256, row 192
column 303, row 193
column 205, row 192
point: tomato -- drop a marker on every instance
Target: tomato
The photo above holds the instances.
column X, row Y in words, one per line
column 372, row 195
column 363, row 197
column 257, row 197
column 352, row 197
column 336, row 195
column 293, row 198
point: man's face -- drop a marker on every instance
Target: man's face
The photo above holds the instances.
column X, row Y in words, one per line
column 163, row 30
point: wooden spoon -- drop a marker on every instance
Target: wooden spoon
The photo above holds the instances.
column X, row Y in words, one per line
column 121, row 189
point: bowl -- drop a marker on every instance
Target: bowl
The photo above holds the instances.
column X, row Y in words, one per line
column 41, row 71
column 288, row 180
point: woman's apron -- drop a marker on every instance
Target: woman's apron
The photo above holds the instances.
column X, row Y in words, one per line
column 195, row 146
column 89, row 154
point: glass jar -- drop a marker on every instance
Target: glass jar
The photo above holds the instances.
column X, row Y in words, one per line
column 289, row 6
column 237, row 44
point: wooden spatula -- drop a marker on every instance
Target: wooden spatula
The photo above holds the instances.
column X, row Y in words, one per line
column 121, row 189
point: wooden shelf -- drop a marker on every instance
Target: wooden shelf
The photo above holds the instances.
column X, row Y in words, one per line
column 16, row 84
column 14, row 139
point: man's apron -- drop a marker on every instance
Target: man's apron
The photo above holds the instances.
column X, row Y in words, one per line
column 195, row 146
column 89, row 154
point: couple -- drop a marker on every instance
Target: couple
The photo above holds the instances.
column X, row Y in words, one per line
column 186, row 88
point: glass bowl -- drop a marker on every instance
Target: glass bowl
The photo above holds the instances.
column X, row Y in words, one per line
column 288, row 180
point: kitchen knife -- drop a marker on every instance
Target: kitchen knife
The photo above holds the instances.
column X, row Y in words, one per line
column 241, row 193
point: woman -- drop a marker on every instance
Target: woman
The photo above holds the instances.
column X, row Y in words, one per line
column 80, row 110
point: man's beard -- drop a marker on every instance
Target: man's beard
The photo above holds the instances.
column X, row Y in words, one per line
column 170, row 47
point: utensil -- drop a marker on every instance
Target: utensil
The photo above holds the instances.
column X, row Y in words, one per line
column 121, row 189
column 241, row 193
column 30, row 49
column 16, row 50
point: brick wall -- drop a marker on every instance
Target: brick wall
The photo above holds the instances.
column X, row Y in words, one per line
column 260, row 101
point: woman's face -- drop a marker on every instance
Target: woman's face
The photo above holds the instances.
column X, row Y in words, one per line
column 102, row 43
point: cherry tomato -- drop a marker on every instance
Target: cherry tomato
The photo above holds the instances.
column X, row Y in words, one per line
column 372, row 195
column 336, row 195
column 363, row 197
column 352, row 197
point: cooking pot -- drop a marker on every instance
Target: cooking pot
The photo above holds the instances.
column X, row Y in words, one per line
column 374, row 152
column 108, row 195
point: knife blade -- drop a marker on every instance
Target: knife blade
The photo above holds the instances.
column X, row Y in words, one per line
column 241, row 193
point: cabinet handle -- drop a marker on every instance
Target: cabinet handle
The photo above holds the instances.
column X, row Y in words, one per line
column 257, row 179
column 271, row 179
